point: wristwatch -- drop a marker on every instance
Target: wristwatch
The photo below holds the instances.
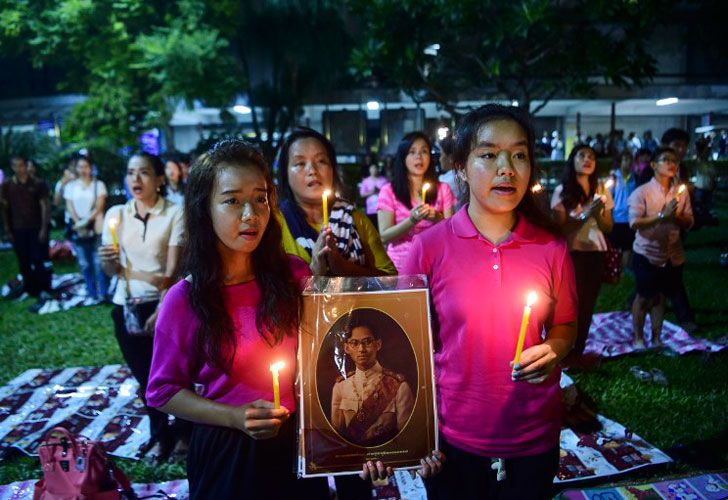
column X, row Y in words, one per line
column 660, row 215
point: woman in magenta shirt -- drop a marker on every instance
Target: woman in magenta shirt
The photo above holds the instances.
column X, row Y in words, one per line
column 401, row 211
column 481, row 264
column 220, row 329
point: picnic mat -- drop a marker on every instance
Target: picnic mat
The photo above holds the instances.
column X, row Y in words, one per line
column 705, row 487
column 611, row 335
column 102, row 404
column 23, row 490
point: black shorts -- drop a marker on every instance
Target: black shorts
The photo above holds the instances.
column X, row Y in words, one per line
column 652, row 279
column 621, row 237
column 224, row 463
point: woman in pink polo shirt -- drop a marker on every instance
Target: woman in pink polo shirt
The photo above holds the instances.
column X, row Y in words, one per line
column 481, row 265
column 401, row 211
column 220, row 329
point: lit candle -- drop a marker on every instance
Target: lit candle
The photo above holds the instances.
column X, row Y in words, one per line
column 537, row 188
column 425, row 187
column 681, row 190
column 530, row 300
column 325, row 200
column 113, row 223
column 606, row 187
column 276, row 386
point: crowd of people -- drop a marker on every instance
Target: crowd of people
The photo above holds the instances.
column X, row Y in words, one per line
column 210, row 258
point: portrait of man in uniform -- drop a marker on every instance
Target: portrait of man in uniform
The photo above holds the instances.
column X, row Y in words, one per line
column 371, row 404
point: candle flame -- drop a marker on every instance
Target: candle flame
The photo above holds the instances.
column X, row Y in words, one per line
column 531, row 299
column 425, row 186
column 327, row 193
column 609, row 184
column 537, row 188
column 681, row 189
column 277, row 366
column 113, row 223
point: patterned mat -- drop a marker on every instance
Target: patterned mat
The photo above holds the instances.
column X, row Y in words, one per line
column 102, row 404
column 611, row 335
column 705, row 487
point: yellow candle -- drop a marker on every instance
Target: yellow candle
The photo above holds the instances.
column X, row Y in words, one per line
column 113, row 223
column 325, row 200
column 530, row 300
column 276, row 386
column 537, row 188
column 425, row 187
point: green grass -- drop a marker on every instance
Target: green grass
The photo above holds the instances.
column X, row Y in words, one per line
column 693, row 407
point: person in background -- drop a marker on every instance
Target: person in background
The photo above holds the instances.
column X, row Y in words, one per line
column 26, row 217
column 633, row 142
column 557, row 146
column 657, row 212
column 175, row 181
column 545, row 144
column 349, row 245
column 643, row 170
column 583, row 209
column 705, row 183
column 449, row 176
column 149, row 233
column 401, row 210
column 369, row 189
column 625, row 182
column 649, row 142
column 492, row 413
column 85, row 202
column 59, row 200
column 184, row 162
column 678, row 140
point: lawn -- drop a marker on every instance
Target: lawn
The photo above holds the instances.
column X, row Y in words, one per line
column 691, row 411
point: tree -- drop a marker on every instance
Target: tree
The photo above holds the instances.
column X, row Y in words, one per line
column 134, row 59
column 287, row 52
column 452, row 50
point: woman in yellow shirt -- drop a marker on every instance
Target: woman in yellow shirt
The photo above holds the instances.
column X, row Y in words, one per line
column 350, row 244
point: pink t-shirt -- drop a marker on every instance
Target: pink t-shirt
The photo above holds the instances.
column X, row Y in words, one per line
column 174, row 364
column 367, row 185
column 399, row 250
column 478, row 292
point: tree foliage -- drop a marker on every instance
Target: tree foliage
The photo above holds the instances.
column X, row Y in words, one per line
column 134, row 59
column 522, row 50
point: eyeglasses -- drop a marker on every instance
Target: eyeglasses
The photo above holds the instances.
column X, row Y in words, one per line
column 667, row 160
column 366, row 342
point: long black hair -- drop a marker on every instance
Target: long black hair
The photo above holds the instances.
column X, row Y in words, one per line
column 278, row 310
column 466, row 138
column 573, row 194
column 400, row 181
column 284, row 188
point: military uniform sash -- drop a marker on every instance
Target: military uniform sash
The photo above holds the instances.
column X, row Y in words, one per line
column 373, row 407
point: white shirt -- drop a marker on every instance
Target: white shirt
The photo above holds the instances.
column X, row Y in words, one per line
column 144, row 246
column 82, row 196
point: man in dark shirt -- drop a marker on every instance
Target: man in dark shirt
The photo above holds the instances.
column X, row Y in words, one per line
column 26, row 213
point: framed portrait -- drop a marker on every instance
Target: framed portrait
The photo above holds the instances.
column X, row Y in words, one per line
column 365, row 374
